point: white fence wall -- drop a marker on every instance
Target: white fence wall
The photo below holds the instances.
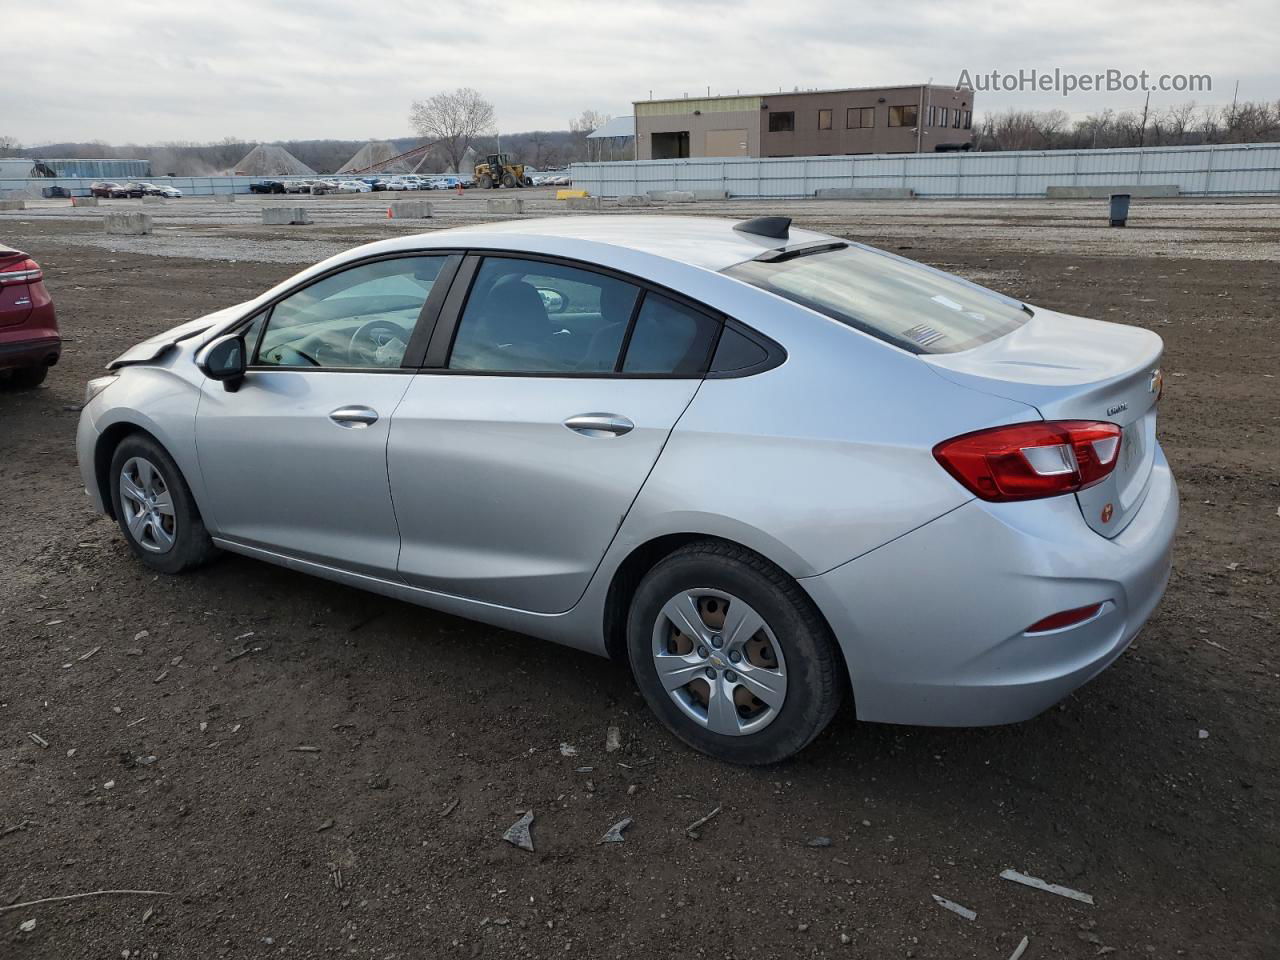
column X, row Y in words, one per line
column 1251, row 169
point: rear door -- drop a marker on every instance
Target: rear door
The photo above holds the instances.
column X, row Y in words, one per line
column 516, row 453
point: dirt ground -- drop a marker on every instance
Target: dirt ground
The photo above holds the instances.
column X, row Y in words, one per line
column 174, row 765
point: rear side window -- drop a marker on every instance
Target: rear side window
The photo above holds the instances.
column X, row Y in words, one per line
column 905, row 303
column 669, row 338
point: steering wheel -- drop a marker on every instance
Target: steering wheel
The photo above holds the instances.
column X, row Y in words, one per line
column 369, row 338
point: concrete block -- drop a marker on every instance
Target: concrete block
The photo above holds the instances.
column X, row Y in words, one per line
column 153, row 199
column 1101, row 193
column 634, row 200
column 582, row 203
column 279, row 216
column 84, row 201
column 409, row 210
column 672, row 196
column 505, row 205
column 224, row 198
column 13, row 204
column 711, row 194
column 128, row 224
column 865, row 193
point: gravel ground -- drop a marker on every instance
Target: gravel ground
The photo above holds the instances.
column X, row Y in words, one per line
column 174, row 758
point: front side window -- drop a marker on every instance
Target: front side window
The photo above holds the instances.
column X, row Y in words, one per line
column 525, row 316
column 361, row 318
column 905, row 303
column 903, row 116
column 782, row 122
column 824, row 119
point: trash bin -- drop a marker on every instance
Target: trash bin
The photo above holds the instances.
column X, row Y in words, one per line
column 1119, row 209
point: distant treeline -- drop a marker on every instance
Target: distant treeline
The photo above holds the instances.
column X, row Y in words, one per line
column 544, row 149
column 1184, row 124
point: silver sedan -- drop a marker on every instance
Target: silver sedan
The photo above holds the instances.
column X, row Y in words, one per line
column 766, row 469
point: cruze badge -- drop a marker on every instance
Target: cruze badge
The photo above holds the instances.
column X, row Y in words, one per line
column 1112, row 411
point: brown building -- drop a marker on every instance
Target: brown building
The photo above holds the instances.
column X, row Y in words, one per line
column 810, row 123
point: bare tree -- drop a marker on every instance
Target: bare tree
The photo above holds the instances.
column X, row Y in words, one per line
column 8, row 144
column 453, row 120
column 588, row 123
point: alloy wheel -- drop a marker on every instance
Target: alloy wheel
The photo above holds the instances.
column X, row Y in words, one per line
column 148, row 506
column 719, row 661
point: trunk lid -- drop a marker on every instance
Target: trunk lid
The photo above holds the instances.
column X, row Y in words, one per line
column 1073, row 368
column 15, row 298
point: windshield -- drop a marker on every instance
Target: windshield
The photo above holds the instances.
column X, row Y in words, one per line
column 910, row 305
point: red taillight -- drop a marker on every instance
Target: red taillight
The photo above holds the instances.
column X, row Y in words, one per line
column 24, row 271
column 1067, row 618
column 1030, row 460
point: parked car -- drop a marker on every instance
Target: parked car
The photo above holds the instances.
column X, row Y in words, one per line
column 104, row 188
column 354, row 186
column 160, row 190
column 55, row 192
column 266, row 186
column 29, row 340
column 298, row 186
column 761, row 465
column 132, row 190
column 321, row 187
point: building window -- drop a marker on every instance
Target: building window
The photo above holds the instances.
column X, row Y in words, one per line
column 968, row 120
column 824, row 119
column 859, row 117
column 904, row 116
column 930, row 114
column 782, row 122
column 942, row 116
column 957, row 119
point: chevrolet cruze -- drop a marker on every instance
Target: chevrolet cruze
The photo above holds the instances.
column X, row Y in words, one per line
column 767, row 469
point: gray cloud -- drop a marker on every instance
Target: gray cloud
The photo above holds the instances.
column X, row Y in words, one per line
column 142, row 71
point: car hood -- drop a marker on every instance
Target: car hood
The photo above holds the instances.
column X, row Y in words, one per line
column 155, row 347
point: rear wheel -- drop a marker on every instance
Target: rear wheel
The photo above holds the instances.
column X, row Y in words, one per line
column 732, row 655
column 28, row 378
column 154, row 508
column 484, row 181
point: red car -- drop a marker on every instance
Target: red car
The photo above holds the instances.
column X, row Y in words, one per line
column 29, row 340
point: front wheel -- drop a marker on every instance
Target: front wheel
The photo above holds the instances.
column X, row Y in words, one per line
column 731, row 655
column 154, row 508
column 484, row 182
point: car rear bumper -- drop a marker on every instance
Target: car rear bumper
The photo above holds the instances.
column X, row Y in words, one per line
column 933, row 624
column 21, row 350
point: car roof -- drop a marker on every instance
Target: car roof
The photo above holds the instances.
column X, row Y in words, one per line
column 707, row 242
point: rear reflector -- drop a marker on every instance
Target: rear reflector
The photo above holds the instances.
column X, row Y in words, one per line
column 1067, row 618
column 1027, row 461
column 24, row 271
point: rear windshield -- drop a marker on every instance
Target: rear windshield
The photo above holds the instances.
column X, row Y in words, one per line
column 910, row 305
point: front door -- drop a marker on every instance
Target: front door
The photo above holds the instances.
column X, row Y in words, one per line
column 514, row 464
column 295, row 460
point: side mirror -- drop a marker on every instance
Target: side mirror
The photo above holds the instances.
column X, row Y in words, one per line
column 224, row 359
column 552, row 300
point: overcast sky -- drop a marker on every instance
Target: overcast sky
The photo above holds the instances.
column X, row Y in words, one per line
column 133, row 71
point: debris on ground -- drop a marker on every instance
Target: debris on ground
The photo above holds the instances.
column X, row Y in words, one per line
column 26, row 926
column 81, row 896
column 818, row 842
column 324, row 826
column 141, row 635
column 568, row 750
column 692, row 829
column 614, row 833
column 1020, row 949
column 1039, row 884
column 38, row 740
column 612, row 740
column 305, row 748
column 453, row 805
column 1204, row 735
column 85, row 656
column 954, row 907
column 518, row 833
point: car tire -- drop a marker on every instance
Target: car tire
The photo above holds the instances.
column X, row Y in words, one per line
column 793, row 635
column 182, row 523
column 28, row 378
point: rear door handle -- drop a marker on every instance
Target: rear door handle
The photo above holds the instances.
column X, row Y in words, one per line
column 357, row 417
column 599, row 425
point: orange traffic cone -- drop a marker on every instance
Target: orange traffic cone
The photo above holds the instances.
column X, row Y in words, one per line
column 459, row 188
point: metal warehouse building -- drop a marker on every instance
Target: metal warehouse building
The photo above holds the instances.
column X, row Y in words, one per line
column 811, row 123
column 24, row 167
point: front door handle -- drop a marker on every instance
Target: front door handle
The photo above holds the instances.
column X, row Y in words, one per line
column 599, row 425
column 357, row 417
